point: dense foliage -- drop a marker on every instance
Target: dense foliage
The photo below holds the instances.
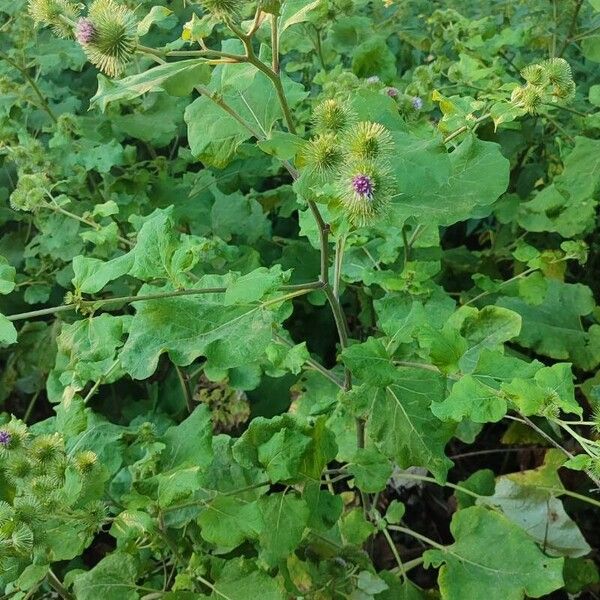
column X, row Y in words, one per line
column 299, row 299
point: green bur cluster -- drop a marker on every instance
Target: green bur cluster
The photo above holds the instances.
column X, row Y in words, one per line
column 50, row 503
column 548, row 81
column 111, row 30
column 355, row 157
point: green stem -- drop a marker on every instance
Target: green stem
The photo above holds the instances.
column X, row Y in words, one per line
column 312, row 363
column 572, row 27
column 275, row 44
column 95, row 304
column 392, row 546
column 185, row 388
column 30, row 406
column 57, row 208
column 464, row 128
column 99, row 381
column 418, row 536
column 57, row 585
column 32, row 83
column 447, row 484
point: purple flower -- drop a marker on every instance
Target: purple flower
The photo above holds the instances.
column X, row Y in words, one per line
column 363, row 186
column 417, row 103
column 392, row 92
column 85, row 31
column 5, row 437
column 373, row 79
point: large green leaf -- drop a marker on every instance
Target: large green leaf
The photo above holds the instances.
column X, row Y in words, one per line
column 541, row 515
column 402, row 425
column 113, row 577
column 492, row 558
column 177, row 78
column 554, row 328
column 187, row 327
column 479, row 174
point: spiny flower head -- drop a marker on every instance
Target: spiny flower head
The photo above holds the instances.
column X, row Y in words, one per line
column 84, row 462
column 30, row 192
column 365, row 189
column 54, row 13
column 417, row 102
column 333, row 116
column 5, row 438
column 529, row 98
column 558, row 71
column 369, row 141
column 85, row 32
column 535, row 75
column 323, row 155
column 392, row 92
column 47, row 449
column 222, row 8
column 109, row 36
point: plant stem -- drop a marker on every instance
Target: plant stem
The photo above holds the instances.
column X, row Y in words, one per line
column 32, row 83
column 95, row 304
column 57, row 208
column 312, row 363
column 57, row 585
column 466, row 127
column 453, row 486
column 98, row 383
column 418, row 536
column 572, row 27
column 390, row 542
column 338, row 262
column 30, row 406
column 275, row 44
column 185, row 388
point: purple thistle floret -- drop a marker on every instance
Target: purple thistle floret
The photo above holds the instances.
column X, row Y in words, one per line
column 417, row 103
column 373, row 79
column 85, row 31
column 363, row 186
column 5, row 437
column 392, row 92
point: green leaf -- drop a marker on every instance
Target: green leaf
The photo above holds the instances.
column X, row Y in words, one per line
column 541, row 515
column 568, row 205
column 176, row 78
column 286, row 447
column 492, row 558
column 373, row 57
column 472, row 399
column 187, row 327
column 190, row 442
column 92, row 274
column 254, row 285
column 355, row 529
column 285, row 517
column 371, row 469
column 228, row 521
column 8, row 333
column 402, row 425
column 478, row 176
column 370, row 362
column 241, row 579
column 7, row 276
column 554, row 327
column 157, row 14
column 113, row 577
column 295, row 11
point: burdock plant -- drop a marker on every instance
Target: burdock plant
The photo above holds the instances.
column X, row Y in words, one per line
column 108, row 36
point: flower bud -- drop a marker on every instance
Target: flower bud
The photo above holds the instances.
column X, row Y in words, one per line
column 84, row 462
column 222, row 8
column 54, row 13
column 535, row 75
column 333, row 116
column 108, row 36
column 323, row 155
column 370, row 141
column 365, row 190
column 558, row 71
column 47, row 449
